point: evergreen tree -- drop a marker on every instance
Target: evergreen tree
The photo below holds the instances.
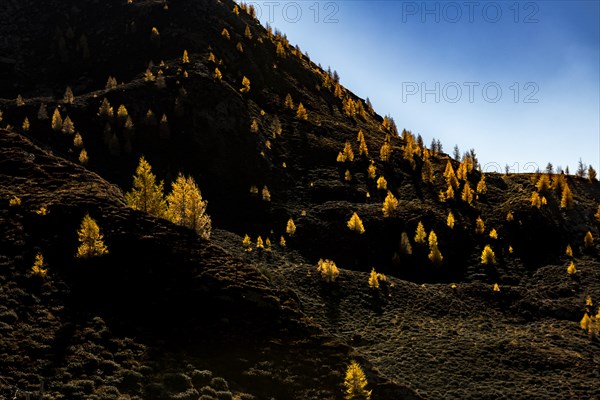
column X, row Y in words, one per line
column 146, row 195
column 68, row 127
column 186, row 207
column 481, row 186
column 456, row 153
column 355, row 383
column 467, row 193
column 450, row 176
column 591, row 174
column 91, row 242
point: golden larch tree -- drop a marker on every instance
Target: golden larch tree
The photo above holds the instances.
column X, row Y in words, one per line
column 328, row 270
column 435, row 256
column 450, row 176
column 482, row 186
column 566, row 200
column 450, row 220
column 301, row 112
column 57, row 122
column 385, row 152
column 373, row 279
column 420, row 234
column 355, row 224
column 390, row 205
column 488, row 256
column 91, row 243
column 381, row 183
column 147, row 195
column 479, row 226
column 245, row 85
column 467, row 193
column 588, row 240
column 290, row 228
column 186, row 207
column 356, row 383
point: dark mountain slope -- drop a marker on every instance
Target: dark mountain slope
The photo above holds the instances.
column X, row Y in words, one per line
column 265, row 306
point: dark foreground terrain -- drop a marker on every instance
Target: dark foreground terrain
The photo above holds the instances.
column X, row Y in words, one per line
column 166, row 315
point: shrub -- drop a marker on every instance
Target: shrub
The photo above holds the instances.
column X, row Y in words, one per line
column 355, row 383
column 146, row 195
column 488, row 256
column 219, row 383
column 186, row 207
column 91, row 242
column 390, row 205
column 328, row 269
column 355, row 224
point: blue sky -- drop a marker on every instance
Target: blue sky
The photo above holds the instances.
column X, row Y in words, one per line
column 438, row 68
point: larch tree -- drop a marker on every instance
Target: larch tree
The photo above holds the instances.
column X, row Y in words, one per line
column 385, row 152
column 588, row 240
column 290, row 228
column 381, row 183
column 186, row 207
column 301, row 112
column 479, row 226
column 68, row 98
column 68, row 127
column 347, row 152
column 146, row 195
column 245, row 85
column 356, row 383
column 435, row 256
column 405, row 246
column 420, row 234
column 450, row 176
column 592, row 174
column 390, row 205
column 57, row 122
column 450, row 220
column 481, row 185
column 328, row 270
column 355, row 224
column 185, row 59
column 373, row 279
column 488, row 256
column 91, row 243
column 566, row 200
column 467, row 193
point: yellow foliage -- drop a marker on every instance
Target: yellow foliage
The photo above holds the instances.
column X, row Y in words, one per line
column 360, row 137
column 496, row 287
column 185, row 59
column 239, row 47
column 449, row 193
column 41, row 211
column 38, row 266
column 245, row 84
column 282, row 241
column 301, row 112
column 467, row 193
column 259, row 243
column 510, row 249
column 481, row 186
column 569, row 251
column 289, row 103
column 493, row 234
column 355, row 383
column 26, row 125
column 510, row 217
column 479, row 226
column 347, row 176
column 14, row 201
column 373, row 280
column 57, row 121
column 434, row 252
column 381, row 183
column 450, row 220
column 247, row 32
column 385, row 152
column 217, row 74
column 566, row 200
column 363, row 150
column 247, row 242
column 225, row 33
column 450, row 176
column 372, row 171
column 355, row 224
column 146, row 195
column 390, row 205
column 328, row 269
column 91, row 242
column 420, row 234
column 186, row 207
column 347, row 152
column 68, row 127
column 488, row 256
column 588, row 240
column 83, row 157
column 461, row 173
column 290, row 228
column 266, row 195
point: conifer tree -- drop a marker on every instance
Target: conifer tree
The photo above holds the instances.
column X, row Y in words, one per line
column 543, row 183
column 260, row 244
column 385, row 152
column 496, row 288
column 588, row 240
column 290, row 228
column 569, row 251
column 449, row 195
column 450, row 220
column 355, row 383
column 390, row 205
column 566, row 200
column 363, row 150
column 239, row 47
column 289, row 103
column 373, row 280
column 467, row 193
column 78, row 141
column 301, row 112
column 427, row 171
column 106, row 111
column 347, row 153
column 493, row 234
column 479, row 226
column 245, row 84
column 20, row 102
column 510, row 217
column 435, row 256
column 461, row 173
column 347, row 176
column 217, row 74
column 266, row 195
column 38, row 266
column 26, row 125
column 146, row 195
column 328, row 269
column 225, row 34
column 185, row 59
column 481, row 186
column 571, row 270
column 68, row 98
column 185, row 206
column 361, row 136
column 381, row 183
column 83, row 157
column 91, row 242
column 42, row 113
column 450, row 176
column 591, row 174
column 420, row 234
column 372, row 173
column 68, row 127
column 488, row 256
column 247, row 32
column 405, row 246
column 355, row 224
column 57, row 122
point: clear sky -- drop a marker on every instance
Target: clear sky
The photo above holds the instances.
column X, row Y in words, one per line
column 517, row 81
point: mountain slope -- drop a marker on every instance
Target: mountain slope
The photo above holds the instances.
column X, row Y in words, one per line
column 431, row 340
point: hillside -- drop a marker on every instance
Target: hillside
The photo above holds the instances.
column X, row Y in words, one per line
column 165, row 312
